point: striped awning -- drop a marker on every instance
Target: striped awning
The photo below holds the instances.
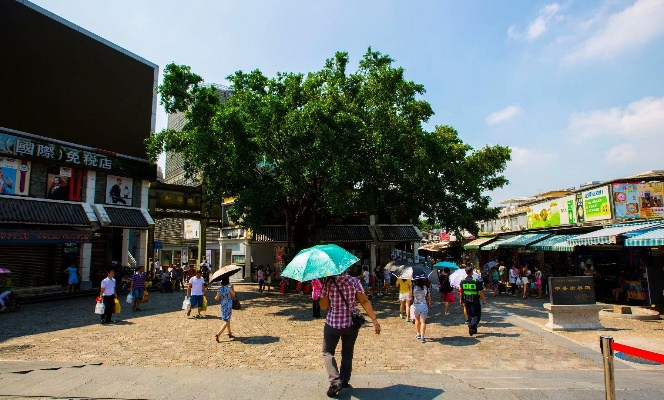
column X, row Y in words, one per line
column 609, row 234
column 475, row 244
column 651, row 238
column 523, row 240
column 549, row 243
column 494, row 245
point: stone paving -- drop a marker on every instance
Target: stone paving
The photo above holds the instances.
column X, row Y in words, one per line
column 276, row 332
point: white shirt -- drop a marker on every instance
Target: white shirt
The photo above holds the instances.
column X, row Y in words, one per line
column 109, row 286
column 196, row 286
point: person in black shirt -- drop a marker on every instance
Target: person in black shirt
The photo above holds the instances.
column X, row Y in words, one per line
column 470, row 292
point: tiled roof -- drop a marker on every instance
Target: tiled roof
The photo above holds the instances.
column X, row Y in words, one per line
column 43, row 212
column 123, row 217
column 398, row 233
column 346, row 233
column 270, row 234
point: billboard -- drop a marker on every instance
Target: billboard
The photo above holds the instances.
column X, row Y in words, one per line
column 63, row 183
column 632, row 200
column 586, row 206
column 118, row 190
column 596, row 204
column 67, row 84
column 14, row 176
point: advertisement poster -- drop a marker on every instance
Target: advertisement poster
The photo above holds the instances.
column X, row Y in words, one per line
column 14, row 176
column 64, row 183
column 551, row 213
column 578, row 207
column 596, row 205
column 185, row 256
column 118, row 190
column 191, row 229
column 626, row 200
column 650, row 199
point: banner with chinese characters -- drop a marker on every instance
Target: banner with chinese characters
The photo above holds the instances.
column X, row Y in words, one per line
column 36, row 149
column 14, row 176
column 118, row 190
column 64, row 183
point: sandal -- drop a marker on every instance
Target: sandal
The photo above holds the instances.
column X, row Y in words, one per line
column 230, row 335
column 216, row 337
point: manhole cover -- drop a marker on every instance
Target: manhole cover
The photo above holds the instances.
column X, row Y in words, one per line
column 18, row 347
column 634, row 359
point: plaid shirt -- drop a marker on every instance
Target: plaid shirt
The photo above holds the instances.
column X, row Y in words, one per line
column 338, row 315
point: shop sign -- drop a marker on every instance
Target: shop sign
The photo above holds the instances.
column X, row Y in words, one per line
column 571, row 290
column 19, row 236
column 596, row 205
column 551, row 213
column 634, row 200
column 191, row 229
column 168, row 199
column 14, row 176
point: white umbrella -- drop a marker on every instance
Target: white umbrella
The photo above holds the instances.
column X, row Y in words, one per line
column 460, row 274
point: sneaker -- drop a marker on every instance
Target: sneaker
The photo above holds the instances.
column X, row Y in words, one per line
column 408, row 320
column 333, row 390
column 467, row 322
column 401, row 316
column 418, row 336
column 422, row 340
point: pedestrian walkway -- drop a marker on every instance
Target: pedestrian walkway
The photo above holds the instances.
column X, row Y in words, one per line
column 276, row 354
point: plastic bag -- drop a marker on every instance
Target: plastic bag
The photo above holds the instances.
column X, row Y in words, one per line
column 146, row 296
column 186, row 304
column 99, row 308
column 118, row 307
column 130, row 299
column 204, row 308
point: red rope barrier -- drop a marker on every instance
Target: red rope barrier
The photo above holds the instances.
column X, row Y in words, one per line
column 648, row 355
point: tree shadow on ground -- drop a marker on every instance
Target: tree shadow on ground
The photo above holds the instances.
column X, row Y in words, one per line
column 399, row 391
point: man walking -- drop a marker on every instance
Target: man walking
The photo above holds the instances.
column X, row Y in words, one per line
column 195, row 292
column 137, row 287
column 108, row 296
column 470, row 292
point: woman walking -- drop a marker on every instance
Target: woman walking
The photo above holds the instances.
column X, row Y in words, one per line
column 525, row 280
column 338, row 296
column 404, row 285
column 226, row 294
column 538, row 282
column 316, row 287
column 513, row 279
column 419, row 309
column 446, row 290
column 72, row 281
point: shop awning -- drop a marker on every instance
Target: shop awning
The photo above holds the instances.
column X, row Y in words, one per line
column 435, row 246
column 498, row 242
column 549, row 243
column 123, row 217
column 651, row 238
column 523, row 240
column 475, row 244
column 609, row 234
column 14, row 210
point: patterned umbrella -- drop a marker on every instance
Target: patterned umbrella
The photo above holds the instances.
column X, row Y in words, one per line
column 5, row 271
column 319, row 262
column 228, row 270
column 417, row 271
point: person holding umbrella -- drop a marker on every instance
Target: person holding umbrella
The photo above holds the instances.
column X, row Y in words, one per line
column 226, row 293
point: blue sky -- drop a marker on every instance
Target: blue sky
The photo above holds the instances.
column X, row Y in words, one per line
column 574, row 87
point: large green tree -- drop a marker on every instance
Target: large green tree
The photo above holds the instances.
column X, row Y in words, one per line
column 301, row 148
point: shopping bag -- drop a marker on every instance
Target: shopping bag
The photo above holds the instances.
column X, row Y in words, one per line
column 99, row 308
column 186, row 304
column 204, row 308
column 118, row 307
column 146, row 296
column 130, row 299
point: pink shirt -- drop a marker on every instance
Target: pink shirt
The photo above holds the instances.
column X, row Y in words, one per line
column 316, row 287
column 338, row 314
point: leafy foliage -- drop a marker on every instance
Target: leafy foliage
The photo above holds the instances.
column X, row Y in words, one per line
column 303, row 148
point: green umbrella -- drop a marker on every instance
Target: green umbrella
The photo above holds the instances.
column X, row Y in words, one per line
column 319, row 262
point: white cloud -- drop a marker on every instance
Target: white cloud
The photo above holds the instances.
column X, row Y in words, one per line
column 630, row 28
column 527, row 158
column 503, row 115
column 634, row 133
column 537, row 27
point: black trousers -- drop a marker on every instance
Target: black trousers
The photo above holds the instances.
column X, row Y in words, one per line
column 331, row 338
column 316, row 306
column 109, row 307
column 474, row 310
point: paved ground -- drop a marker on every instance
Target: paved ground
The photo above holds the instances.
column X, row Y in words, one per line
column 279, row 343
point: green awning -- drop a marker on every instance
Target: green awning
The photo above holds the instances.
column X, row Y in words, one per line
column 648, row 239
column 548, row 243
column 475, row 244
column 523, row 240
column 494, row 245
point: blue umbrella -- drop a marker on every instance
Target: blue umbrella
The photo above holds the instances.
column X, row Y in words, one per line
column 319, row 262
column 446, row 264
column 489, row 265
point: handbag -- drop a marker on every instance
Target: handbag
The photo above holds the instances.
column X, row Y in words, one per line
column 130, row 298
column 118, row 307
column 146, row 296
column 204, row 308
column 99, row 308
column 357, row 318
column 236, row 304
column 518, row 281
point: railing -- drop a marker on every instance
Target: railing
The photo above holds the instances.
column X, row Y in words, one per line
column 608, row 346
column 131, row 260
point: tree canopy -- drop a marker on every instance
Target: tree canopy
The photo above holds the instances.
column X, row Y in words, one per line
column 300, row 148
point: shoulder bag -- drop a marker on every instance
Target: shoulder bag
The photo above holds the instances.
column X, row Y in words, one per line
column 236, row 303
column 358, row 319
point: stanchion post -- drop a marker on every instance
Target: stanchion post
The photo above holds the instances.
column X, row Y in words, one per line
column 605, row 343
